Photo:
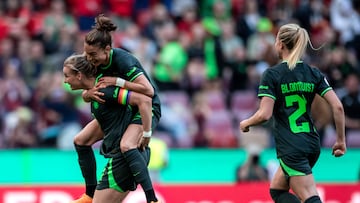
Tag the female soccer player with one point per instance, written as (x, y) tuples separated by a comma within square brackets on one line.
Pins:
[(117, 179), (129, 75), (287, 91)]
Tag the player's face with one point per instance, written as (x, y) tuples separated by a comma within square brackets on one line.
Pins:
[(96, 55), (72, 78)]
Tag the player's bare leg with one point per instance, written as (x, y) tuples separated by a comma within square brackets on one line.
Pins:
[(279, 189), (305, 188)]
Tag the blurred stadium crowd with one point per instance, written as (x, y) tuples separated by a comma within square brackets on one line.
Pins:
[(206, 57)]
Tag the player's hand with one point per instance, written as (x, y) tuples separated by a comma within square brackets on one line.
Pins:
[(144, 142), (106, 81), (244, 127), (339, 149), (95, 95)]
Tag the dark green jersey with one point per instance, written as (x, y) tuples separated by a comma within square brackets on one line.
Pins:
[(123, 64), (293, 92), (113, 118)]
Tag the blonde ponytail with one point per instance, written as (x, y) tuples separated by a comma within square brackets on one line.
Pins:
[(296, 40)]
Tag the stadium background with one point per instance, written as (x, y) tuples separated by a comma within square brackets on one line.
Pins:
[(206, 56)]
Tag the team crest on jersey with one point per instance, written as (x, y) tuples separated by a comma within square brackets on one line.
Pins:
[(95, 105)]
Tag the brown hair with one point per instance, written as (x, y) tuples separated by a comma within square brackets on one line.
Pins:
[(100, 34), (78, 63), (295, 39)]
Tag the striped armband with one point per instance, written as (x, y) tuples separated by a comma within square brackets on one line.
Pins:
[(123, 96)]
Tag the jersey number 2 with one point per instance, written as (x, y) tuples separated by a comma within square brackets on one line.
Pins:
[(290, 101)]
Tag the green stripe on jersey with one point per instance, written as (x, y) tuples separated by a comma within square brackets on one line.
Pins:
[(326, 90), (267, 95)]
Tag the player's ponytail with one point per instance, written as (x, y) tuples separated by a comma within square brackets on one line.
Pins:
[(104, 24), (295, 40), (100, 33)]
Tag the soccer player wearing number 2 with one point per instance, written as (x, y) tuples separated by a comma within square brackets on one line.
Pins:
[(287, 91)]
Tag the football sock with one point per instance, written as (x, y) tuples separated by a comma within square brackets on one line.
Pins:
[(313, 199), (283, 196), (138, 168), (87, 165)]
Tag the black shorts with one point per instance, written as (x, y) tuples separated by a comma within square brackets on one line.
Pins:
[(298, 164), (117, 175)]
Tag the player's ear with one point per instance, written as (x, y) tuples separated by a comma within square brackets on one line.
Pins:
[(107, 48), (79, 75)]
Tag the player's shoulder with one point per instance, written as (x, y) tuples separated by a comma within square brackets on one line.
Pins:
[(275, 70), (124, 57), (311, 67), (313, 70), (119, 52)]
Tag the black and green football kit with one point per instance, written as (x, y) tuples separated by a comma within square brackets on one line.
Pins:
[(297, 141), (123, 64), (114, 116)]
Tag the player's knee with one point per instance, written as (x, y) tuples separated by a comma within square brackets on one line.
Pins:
[(82, 139), (78, 140), (124, 146), (283, 196)]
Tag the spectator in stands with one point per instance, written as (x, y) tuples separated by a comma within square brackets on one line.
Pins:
[(187, 17), (340, 63), (159, 158), (59, 26), (20, 129), (14, 91), (33, 59), (246, 23), (60, 110), (345, 20), (159, 17), (8, 55), (172, 59), (85, 12), (234, 56), (258, 43), (351, 103), (252, 170), (141, 47), (18, 17), (121, 12)]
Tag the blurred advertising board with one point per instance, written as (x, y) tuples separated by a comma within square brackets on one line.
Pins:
[(178, 193)]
